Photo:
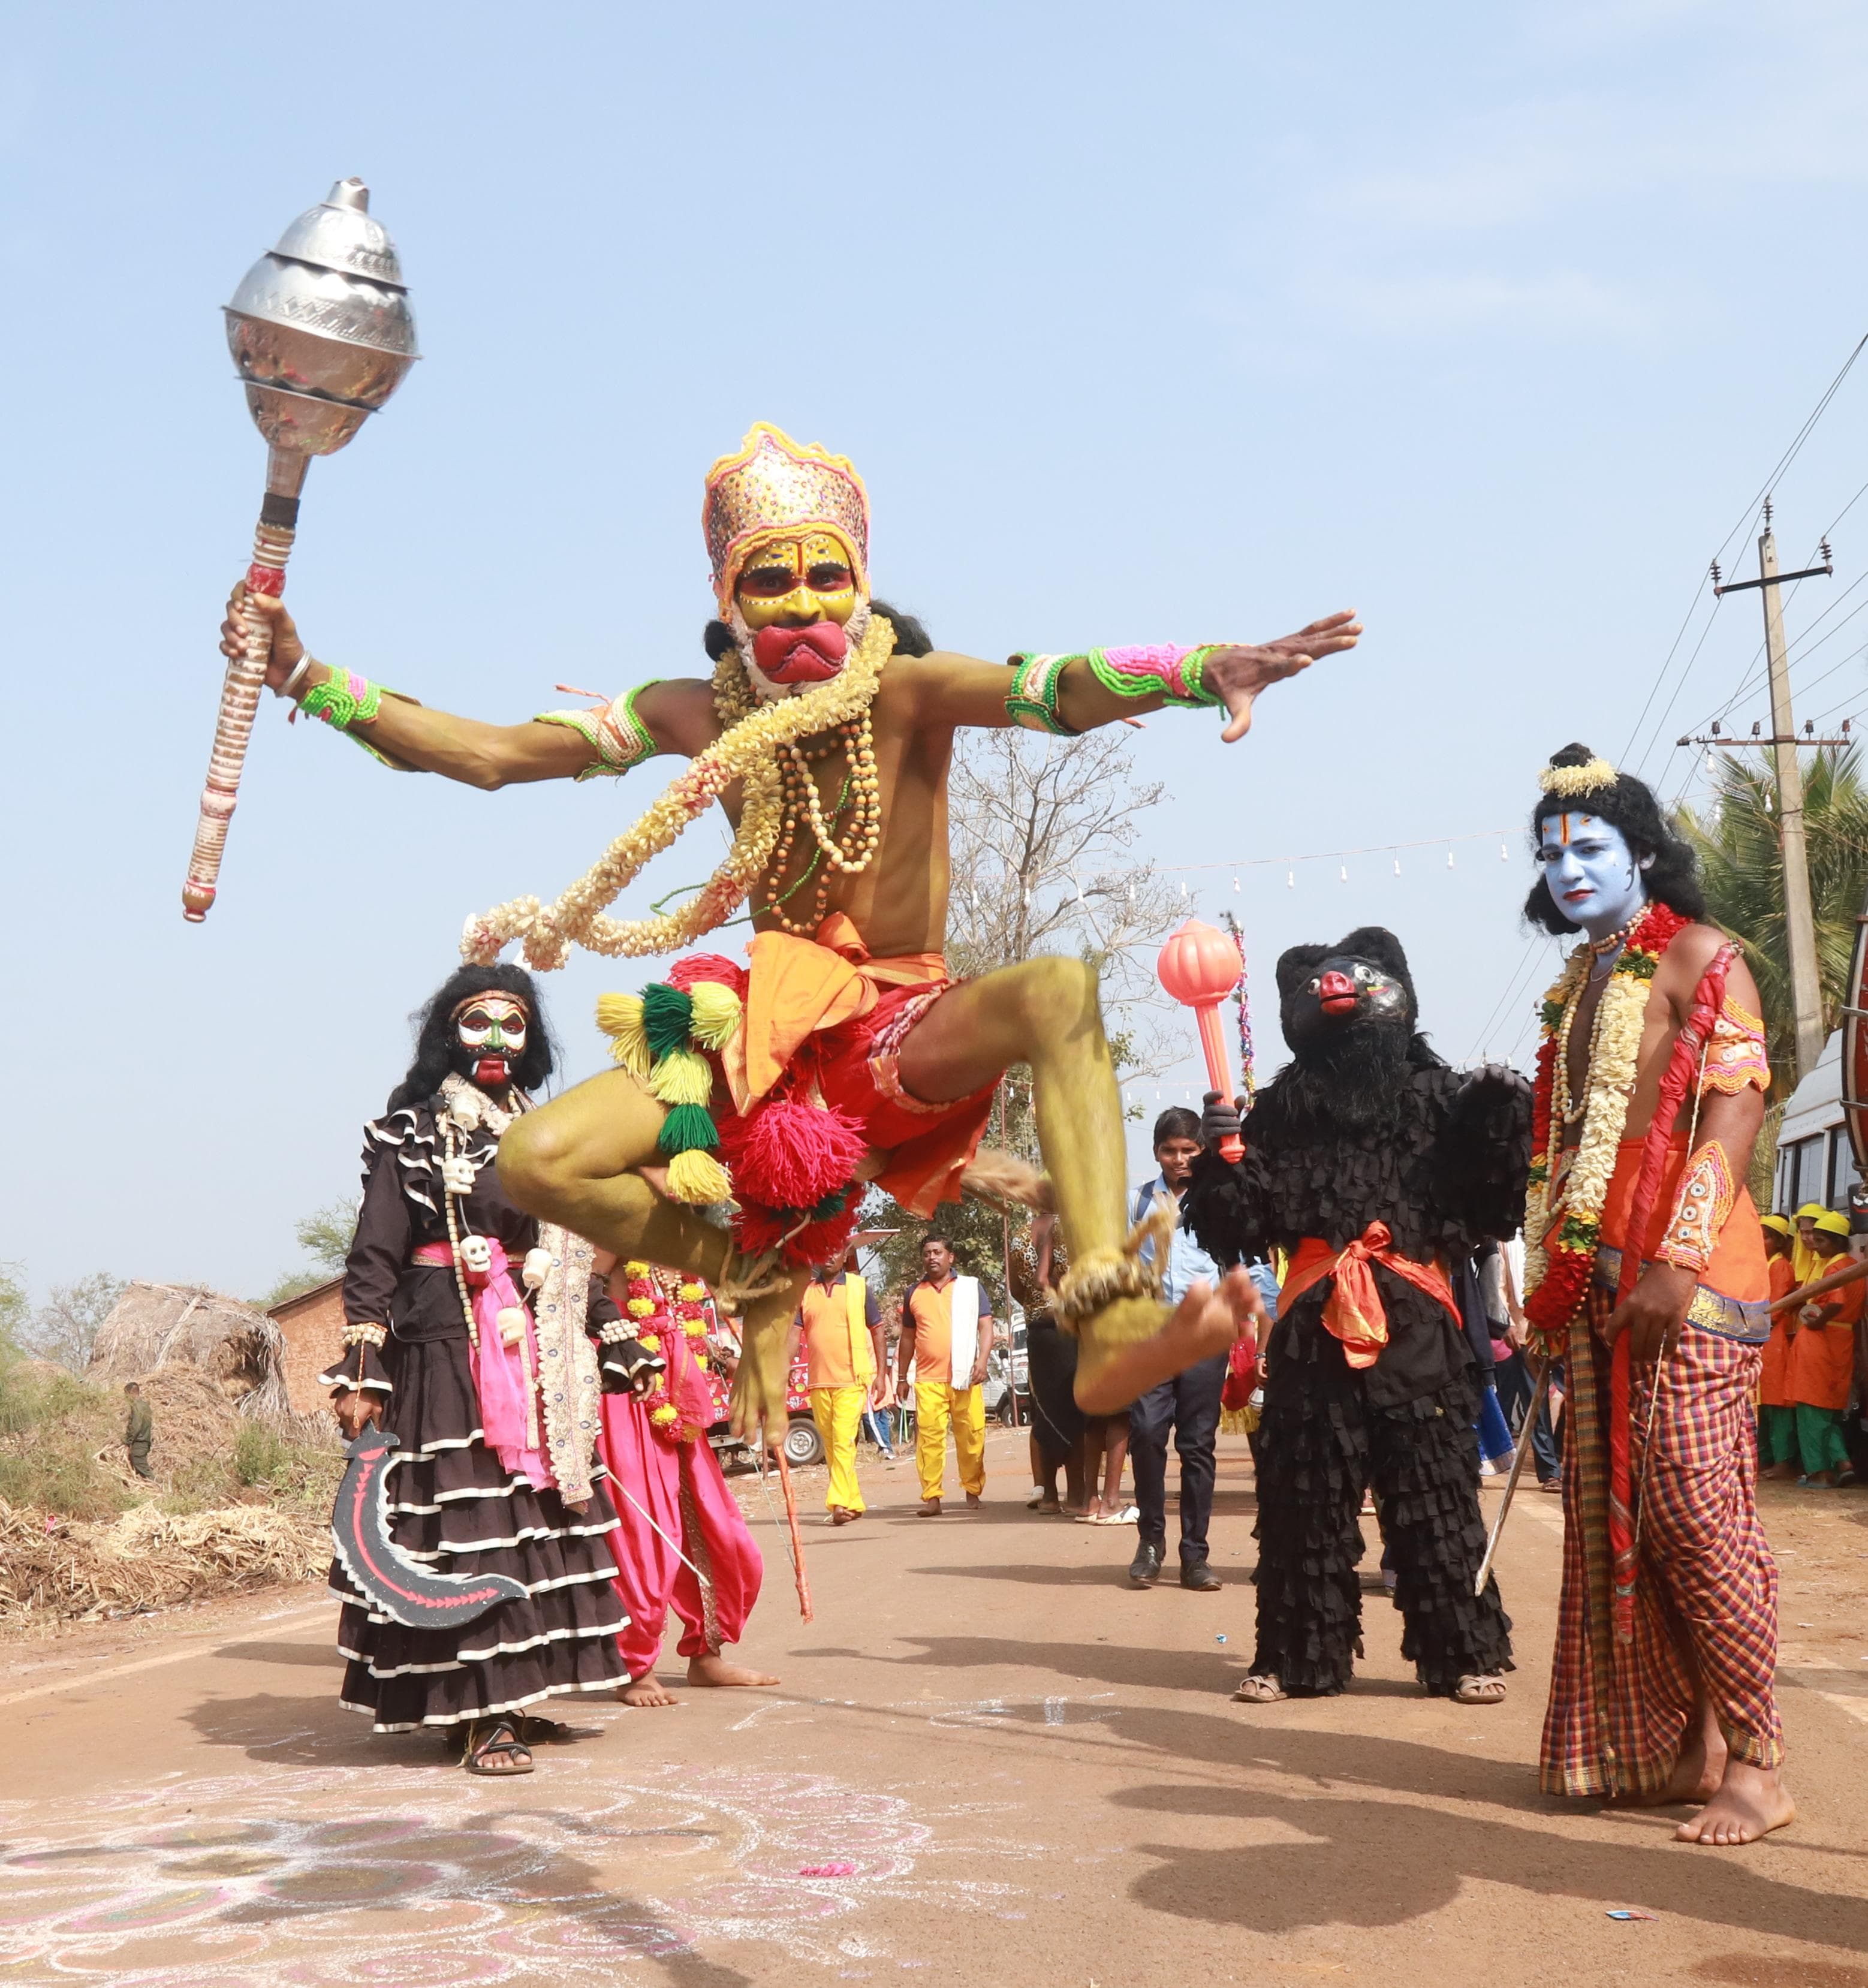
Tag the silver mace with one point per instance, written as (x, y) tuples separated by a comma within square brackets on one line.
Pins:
[(321, 332)]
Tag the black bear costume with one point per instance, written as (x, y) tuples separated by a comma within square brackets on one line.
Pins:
[(1367, 1126)]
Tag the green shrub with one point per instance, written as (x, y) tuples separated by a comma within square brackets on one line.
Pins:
[(261, 1456)]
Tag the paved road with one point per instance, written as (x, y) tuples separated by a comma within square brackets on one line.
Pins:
[(1015, 1770)]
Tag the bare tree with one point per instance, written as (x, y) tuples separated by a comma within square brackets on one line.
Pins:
[(65, 1329)]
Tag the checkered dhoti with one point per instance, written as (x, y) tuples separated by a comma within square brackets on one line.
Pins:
[(1705, 1598)]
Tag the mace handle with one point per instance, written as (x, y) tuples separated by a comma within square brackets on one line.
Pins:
[(246, 676), (1213, 1044)]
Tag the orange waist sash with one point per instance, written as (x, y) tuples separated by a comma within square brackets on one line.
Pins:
[(799, 986), (1354, 1311)]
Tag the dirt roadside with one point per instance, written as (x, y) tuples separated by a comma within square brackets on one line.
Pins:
[(989, 1761)]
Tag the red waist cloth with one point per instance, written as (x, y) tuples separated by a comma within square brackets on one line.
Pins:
[(824, 1024), (1354, 1311)]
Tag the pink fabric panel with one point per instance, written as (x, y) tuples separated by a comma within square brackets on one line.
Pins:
[(650, 1575)]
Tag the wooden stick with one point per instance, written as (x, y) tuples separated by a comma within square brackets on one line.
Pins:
[(246, 676), (790, 1520), (1834, 1282), (1510, 1483)]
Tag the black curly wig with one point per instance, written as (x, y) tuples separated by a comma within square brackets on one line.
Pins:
[(1672, 878), (911, 638), (434, 1033)]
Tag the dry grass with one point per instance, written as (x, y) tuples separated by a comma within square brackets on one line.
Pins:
[(237, 1501), (53, 1569)]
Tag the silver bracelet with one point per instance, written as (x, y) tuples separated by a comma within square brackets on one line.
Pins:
[(292, 682)]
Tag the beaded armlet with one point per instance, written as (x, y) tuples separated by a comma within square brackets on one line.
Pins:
[(1175, 674), (617, 737), (1736, 1056), (1701, 1208), (346, 702)]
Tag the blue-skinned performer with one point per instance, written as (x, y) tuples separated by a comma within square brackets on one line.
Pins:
[(1373, 1165), (1645, 1270)]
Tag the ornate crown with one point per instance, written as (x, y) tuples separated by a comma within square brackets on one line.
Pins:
[(771, 487)]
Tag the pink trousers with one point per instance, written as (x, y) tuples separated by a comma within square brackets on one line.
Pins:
[(680, 1487)]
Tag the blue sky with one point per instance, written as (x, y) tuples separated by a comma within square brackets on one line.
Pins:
[(1175, 323)]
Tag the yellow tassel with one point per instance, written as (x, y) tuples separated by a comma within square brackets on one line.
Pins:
[(619, 1015), (698, 1178), (716, 1014), (683, 1076)]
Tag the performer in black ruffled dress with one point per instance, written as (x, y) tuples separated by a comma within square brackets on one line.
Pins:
[(484, 1342), (1375, 1168)]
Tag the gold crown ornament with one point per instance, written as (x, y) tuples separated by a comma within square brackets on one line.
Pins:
[(773, 487)]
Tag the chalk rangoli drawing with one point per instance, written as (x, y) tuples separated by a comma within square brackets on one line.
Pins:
[(323, 1879)]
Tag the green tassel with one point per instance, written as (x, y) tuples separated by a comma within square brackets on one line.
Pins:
[(667, 1013), (686, 1128)]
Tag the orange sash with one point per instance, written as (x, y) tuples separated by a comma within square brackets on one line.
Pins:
[(1354, 1311), (799, 986)]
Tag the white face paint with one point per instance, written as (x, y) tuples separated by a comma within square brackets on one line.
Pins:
[(491, 1030), (1594, 878)]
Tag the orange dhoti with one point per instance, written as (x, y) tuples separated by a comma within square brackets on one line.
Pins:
[(815, 1084)]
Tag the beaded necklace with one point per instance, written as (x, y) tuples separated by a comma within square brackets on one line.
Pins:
[(850, 851)]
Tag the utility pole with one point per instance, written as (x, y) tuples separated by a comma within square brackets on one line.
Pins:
[(1799, 918)]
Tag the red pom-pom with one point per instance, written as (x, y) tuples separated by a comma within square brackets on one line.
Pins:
[(708, 966), (790, 1153), (757, 1230), (825, 1242)]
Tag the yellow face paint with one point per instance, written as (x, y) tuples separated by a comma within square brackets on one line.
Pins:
[(795, 581)]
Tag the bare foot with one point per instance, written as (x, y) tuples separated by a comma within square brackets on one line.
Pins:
[(1696, 1772), (1751, 1802), (644, 1692), (974, 1501), (1778, 1471), (841, 1515), (1119, 1357), (929, 1508), (714, 1669)]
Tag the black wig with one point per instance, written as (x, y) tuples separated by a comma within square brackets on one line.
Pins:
[(435, 1040), (1672, 878), (911, 638)]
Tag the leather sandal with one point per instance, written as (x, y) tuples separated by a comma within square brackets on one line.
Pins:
[(489, 1739)]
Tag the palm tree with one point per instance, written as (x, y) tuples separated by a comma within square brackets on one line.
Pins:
[(1741, 867)]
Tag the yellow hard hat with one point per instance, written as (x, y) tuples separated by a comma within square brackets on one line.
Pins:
[(1778, 1224), (1810, 1210), (1832, 1224)]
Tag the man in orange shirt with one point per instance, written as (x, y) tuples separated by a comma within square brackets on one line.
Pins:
[(947, 1333), (1821, 1366), (843, 1343), (1777, 1440)]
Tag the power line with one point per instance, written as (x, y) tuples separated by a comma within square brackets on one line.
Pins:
[(1502, 836)]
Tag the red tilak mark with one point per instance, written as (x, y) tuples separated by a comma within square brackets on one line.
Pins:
[(266, 579)]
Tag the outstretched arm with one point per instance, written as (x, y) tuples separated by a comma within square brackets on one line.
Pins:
[(1077, 693), (676, 716)]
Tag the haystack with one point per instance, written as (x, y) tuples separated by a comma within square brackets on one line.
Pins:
[(67, 1570), (155, 1326)]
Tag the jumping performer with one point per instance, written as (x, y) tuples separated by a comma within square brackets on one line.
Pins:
[(846, 1054), (476, 1335), (1369, 1162), (681, 1538), (1645, 1271)]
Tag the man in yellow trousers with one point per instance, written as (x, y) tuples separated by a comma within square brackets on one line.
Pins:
[(946, 1333), (843, 1343)]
